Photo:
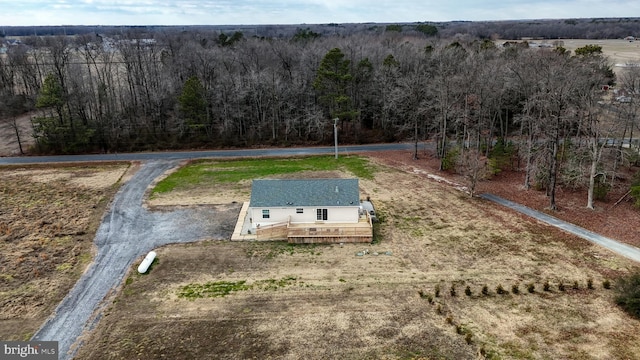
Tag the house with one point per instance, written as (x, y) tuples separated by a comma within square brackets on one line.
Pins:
[(308, 211)]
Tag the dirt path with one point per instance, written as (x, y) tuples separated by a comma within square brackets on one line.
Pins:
[(128, 231)]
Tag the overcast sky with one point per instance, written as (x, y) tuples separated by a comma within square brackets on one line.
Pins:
[(234, 12)]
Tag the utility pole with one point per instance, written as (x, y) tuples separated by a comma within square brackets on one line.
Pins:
[(335, 135)]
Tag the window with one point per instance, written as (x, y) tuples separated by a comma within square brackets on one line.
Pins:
[(299, 211), (265, 214), (321, 214)]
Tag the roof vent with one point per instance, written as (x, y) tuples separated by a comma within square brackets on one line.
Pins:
[(337, 189)]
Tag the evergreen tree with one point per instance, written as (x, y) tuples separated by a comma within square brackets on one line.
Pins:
[(332, 83)]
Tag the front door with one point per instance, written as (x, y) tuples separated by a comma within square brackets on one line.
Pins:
[(321, 214)]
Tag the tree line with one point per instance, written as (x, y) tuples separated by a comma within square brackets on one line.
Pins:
[(576, 28), (484, 106)]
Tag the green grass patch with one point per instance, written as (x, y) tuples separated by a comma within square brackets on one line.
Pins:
[(211, 289), (224, 288), (231, 171), (64, 267)]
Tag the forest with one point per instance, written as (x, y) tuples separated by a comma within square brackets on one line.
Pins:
[(484, 103)]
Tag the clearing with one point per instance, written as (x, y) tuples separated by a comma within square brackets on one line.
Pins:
[(228, 300)]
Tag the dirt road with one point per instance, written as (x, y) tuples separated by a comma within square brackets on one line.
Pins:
[(127, 232)]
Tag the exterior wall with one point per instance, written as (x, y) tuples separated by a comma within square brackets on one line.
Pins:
[(342, 215)]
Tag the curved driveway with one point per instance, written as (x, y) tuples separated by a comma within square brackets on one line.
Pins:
[(127, 231)]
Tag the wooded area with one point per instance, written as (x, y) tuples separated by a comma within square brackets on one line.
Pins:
[(476, 99)]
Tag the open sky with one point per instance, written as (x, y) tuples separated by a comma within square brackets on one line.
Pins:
[(235, 12)]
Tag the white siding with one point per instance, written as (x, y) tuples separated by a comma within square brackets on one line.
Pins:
[(342, 215)]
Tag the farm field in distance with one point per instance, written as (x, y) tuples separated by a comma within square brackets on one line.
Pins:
[(232, 300), (619, 51)]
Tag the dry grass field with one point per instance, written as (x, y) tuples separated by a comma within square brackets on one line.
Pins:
[(250, 300), (619, 51), (48, 219)]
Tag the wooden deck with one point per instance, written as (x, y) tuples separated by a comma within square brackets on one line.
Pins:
[(361, 232)]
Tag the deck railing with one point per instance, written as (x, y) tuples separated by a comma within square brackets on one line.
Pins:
[(320, 232)]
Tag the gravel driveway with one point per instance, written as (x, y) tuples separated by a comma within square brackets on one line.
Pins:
[(127, 232)]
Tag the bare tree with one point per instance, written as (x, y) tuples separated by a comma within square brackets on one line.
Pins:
[(474, 167), (447, 92)]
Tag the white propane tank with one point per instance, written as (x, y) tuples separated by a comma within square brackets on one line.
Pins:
[(144, 265)]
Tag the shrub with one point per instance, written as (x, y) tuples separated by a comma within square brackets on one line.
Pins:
[(500, 290), (576, 286), (468, 338), (437, 290), (515, 289), (531, 288), (485, 290), (606, 284), (590, 283), (453, 290), (628, 294), (501, 155), (546, 286), (450, 159), (635, 189), (561, 286), (467, 291), (601, 188)]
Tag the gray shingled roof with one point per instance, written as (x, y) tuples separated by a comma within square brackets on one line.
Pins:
[(304, 192)]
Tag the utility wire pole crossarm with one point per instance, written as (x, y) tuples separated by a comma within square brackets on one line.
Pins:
[(335, 134)]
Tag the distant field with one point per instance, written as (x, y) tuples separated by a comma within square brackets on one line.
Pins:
[(618, 50)]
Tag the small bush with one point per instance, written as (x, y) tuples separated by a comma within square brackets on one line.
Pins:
[(576, 286), (449, 320), (628, 294), (546, 286), (500, 290), (467, 291), (437, 290), (515, 289), (601, 188), (469, 338), (439, 309), (485, 290), (590, 283), (561, 286), (450, 159), (531, 288), (606, 284), (452, 291), (635, 188)]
